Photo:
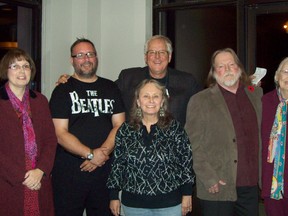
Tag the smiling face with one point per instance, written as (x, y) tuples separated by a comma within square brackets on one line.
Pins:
[(227, 72), (19, 74), (150, 100), (85, 68), (157, 61), (282, 79)]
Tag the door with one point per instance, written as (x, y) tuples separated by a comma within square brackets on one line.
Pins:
[(20, 26), (267, 39)]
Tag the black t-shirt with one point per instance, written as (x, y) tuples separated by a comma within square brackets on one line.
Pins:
[(89, 108)]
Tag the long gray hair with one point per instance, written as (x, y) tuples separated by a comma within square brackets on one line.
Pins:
[(136, 120), (211, 81)]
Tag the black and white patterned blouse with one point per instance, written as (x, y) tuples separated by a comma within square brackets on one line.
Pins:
[(153, 170)]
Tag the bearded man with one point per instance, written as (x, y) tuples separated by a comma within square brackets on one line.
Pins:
[(223, 124), (87, 112)]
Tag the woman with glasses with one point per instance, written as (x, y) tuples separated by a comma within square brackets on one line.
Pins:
[(28, 141), (274, 149)]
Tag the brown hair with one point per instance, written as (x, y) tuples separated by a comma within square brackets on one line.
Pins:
[(211, 81), (10, 57), (81, 40), (135, 120)]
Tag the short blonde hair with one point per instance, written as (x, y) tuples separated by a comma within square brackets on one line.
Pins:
[(280, 67), (166, 40)]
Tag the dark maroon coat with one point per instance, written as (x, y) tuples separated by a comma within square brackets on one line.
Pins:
[(270, 102), (12, 155)]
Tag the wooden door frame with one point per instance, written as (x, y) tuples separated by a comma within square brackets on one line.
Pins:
[(36, 6)]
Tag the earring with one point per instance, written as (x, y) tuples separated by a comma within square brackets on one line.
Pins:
[(139, 112), (161, 112)]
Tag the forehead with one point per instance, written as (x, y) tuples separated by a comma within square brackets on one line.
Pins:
[(83, 46), (150, 87), (19, 60), (285, 66), (156, 44), (224, 57)]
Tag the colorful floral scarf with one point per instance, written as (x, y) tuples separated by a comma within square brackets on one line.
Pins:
[(22, 109), (276, 149)]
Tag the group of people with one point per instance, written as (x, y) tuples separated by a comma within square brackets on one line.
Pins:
[(128, 144)]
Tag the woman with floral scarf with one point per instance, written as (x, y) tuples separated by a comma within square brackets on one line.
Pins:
[(274, 140)]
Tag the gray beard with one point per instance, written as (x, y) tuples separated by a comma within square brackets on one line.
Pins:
[(228, 83)]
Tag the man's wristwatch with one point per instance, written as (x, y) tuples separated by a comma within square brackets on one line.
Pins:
[(90, 155)]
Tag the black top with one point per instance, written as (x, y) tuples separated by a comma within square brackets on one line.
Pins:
[(89, 108), (180, 85), (153, 170)]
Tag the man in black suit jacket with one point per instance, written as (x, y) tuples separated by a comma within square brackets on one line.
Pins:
[(180, 86)]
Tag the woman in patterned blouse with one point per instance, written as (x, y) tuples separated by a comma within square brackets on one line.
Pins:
[(152, 159)]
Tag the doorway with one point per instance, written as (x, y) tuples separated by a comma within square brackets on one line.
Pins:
[(196, 33), (253, 28), (267, 39), (20, 26)]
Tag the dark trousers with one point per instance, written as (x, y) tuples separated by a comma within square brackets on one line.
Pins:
[(72, 195), (246, 204)]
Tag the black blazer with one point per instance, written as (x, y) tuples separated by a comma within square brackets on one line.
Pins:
[(181, 87)]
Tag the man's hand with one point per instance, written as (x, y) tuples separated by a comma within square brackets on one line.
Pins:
[(100, 156), (216, 188), (251, 77), (87, 166), (62, 79), (33, 179)]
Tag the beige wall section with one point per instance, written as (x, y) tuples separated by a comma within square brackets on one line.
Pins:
[(119, 30)]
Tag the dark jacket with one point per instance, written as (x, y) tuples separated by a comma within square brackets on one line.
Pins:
[(12, 155), (181, 87)]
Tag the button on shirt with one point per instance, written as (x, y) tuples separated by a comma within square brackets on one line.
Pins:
[(247, 135)]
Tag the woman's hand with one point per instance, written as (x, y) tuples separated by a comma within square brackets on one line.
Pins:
[(33, 179), (115, 207), (186, 204)]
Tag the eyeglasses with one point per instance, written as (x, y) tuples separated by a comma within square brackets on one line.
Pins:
[(161, 53), (284, 71), (17, 67), (82, 55)]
